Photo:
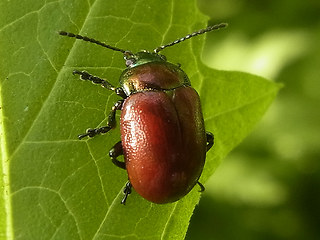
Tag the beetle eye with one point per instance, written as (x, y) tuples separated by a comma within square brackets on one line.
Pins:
[(130, 58), (130, 61)]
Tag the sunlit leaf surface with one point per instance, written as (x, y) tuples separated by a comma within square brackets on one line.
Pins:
[(57, 187)]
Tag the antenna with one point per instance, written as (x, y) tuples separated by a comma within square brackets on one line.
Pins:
[(201, 31), (77, 36)]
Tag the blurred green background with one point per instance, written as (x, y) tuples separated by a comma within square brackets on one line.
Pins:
[(268, 187)]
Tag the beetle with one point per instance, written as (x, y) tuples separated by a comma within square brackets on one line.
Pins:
[(163, 138)]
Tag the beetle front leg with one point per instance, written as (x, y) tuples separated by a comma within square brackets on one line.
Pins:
[(210, 140), (126, 191), (115, 152), (91, 132), (96, 80)]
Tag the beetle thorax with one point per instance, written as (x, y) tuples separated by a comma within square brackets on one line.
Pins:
[(153, 76)]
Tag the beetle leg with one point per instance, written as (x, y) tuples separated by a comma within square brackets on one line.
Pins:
[(202, 188), (115, 152), (87, 76), (126, 192), (91, 132), (210, 140)]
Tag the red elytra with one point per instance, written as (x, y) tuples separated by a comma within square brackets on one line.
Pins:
[(163, 138), (164, 143)]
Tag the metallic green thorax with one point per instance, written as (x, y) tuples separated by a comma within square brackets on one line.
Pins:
[(149, 72), (133, 60)]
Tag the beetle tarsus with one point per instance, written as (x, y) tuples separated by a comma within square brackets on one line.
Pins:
[(210, 140), (91, 132), (87, 134), (202, 188), (115, 152), (126, 192)]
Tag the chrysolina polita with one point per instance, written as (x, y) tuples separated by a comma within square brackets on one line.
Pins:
[(163, 138)]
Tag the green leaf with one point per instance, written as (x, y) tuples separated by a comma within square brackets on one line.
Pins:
[(57, 187)]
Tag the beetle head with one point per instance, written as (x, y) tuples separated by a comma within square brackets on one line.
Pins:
[(142, 57)]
